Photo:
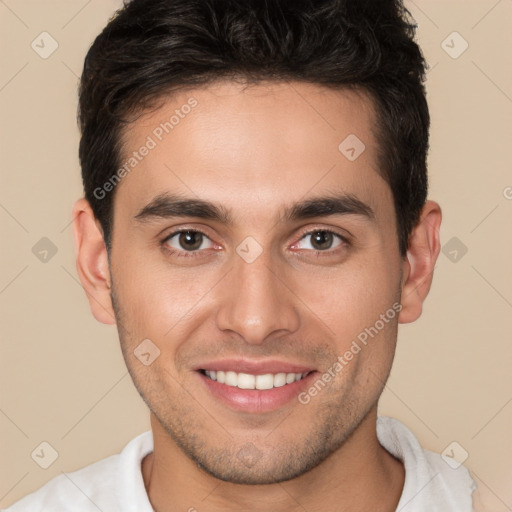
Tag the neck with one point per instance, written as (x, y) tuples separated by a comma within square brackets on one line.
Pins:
[(360, 475)]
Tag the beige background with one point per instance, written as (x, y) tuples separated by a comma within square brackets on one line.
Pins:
[(62, 376)]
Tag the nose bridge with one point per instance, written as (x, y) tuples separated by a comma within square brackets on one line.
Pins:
[(255, 301)]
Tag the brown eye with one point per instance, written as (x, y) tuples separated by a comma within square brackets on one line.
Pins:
[(190, 240), (321, 240), (187, 240)]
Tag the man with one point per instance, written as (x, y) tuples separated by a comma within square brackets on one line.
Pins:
[(255, 223)]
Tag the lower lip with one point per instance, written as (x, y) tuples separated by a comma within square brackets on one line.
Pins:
[(256, 400)]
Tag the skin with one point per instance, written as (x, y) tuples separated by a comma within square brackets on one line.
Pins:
[(256, 150)]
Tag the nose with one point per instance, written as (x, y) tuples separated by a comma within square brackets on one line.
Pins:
[(256, 302)]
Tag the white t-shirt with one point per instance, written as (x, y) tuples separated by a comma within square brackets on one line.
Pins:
[(115, 484)]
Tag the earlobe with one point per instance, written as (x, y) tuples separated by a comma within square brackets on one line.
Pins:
[(92, 261), (424, 247)]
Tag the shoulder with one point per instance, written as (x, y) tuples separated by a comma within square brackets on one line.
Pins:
[(79, 490), (432, 481), (96, 486)]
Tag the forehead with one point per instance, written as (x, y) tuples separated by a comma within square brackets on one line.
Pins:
[(253, 147)]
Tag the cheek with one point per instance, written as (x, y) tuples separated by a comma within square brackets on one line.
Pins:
[(156, 299), (349, 298)]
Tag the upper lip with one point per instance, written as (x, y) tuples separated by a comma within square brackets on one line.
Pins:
[(255, 367)]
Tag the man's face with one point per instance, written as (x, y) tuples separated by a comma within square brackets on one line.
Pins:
[(268, 292)]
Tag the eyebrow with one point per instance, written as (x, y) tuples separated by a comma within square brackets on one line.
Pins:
[(165, 206)]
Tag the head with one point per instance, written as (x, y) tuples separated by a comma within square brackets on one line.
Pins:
[(255, 188)]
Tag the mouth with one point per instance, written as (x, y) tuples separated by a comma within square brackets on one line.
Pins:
[(250, 381), (255, 387)]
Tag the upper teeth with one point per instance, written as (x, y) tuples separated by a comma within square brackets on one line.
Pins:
[(248, 381)]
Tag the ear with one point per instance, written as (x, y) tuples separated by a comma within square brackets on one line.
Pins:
[(92, 261), (418, 265)]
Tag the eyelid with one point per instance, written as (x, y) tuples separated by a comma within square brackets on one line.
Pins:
[(345, 239), (183, 230), (344, 235)]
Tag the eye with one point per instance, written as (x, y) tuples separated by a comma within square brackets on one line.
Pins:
[(322, 240), (187, 240)]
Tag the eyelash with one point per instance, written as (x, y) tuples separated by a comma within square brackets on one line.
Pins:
[(193, 254)]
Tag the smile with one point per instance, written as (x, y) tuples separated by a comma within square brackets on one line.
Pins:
[(249, 381)]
